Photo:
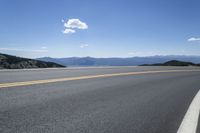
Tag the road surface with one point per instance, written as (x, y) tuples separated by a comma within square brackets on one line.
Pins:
[(136, 100)]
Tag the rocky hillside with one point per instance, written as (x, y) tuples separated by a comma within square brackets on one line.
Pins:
[(13, 62)]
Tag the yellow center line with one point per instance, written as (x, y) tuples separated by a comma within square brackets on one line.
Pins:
[(25, 83)]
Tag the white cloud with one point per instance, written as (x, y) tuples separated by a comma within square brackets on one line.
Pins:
[(68, 31), (72, 24), (194, 39), (43, 47), (84, 45), (75, 24)]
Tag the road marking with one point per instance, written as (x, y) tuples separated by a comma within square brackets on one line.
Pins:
[(14, 84), (190, 120)]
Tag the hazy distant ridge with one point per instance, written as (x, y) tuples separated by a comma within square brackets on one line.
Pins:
[(133, 61)]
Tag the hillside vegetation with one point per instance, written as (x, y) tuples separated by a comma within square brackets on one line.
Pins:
[(173, 63), (13, 62)]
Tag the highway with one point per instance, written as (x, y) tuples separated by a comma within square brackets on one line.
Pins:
[(98, 99)]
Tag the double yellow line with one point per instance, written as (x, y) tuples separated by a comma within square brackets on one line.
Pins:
[(25, 83)]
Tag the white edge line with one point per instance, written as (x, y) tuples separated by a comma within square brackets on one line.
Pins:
[(190, 120)]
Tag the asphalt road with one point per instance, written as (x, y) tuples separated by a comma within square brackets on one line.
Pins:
[(142, 103)]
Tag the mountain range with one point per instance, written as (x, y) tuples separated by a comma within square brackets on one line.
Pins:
[(132, 61)]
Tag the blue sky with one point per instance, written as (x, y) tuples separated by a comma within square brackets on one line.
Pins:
[(99, 28)]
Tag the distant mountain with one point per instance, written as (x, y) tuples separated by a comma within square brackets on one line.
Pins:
[(173, 63), (13, 62), (133, 61)]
